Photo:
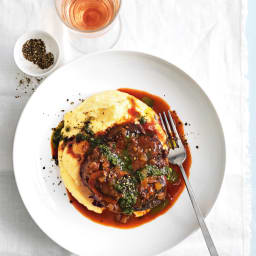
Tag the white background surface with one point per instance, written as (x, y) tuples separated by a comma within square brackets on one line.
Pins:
[(204, 38)]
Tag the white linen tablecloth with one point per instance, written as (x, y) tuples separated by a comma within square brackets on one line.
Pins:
[(206, 40)]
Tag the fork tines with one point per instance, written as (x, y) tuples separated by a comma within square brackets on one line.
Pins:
[(169, 128)]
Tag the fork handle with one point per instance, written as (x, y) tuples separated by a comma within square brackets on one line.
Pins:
[(199, 216)]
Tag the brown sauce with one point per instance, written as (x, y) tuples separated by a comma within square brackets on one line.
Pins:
[(173, 190)]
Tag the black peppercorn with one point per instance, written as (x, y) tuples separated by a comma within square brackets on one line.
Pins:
[(34, 50)]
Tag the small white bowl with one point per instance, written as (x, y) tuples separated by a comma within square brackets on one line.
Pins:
[(29, 67)]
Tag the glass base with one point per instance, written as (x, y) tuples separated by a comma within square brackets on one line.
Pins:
[(88, 43)]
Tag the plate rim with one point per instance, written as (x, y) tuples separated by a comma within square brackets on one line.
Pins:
[(121, 52)]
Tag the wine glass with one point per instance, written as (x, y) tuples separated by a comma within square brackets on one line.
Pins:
[(92, 25)]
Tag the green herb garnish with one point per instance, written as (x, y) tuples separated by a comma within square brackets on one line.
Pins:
[(87, 128), (173, 176), (113, 158), (127, 160), (80, 137), (141, 175), (148, 101), (127, 186), (152, 170), (57, 136)]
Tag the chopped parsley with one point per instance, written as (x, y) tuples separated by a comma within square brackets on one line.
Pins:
[(94, 141), (124, 161), (87, 128), (141, 174), (113, 158), (152, 170), (173, 176), (127, 160), (127, 186), (80, 137), (57, 136)]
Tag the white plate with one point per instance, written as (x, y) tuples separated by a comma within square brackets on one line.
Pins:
[(45, 199)]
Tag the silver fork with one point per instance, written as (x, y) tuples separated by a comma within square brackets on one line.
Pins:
[(177, 155)]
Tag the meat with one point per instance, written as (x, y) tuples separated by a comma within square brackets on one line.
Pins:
[(126, 170)]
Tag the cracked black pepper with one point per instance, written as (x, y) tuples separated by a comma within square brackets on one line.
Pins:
[(34, 50)]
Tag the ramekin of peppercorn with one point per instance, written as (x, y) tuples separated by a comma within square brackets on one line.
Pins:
[(36, 53)]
